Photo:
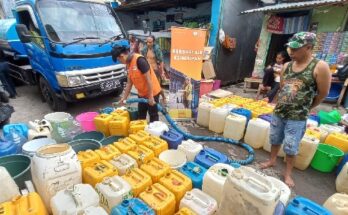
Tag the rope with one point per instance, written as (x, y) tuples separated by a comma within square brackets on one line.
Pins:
[(245, 146)]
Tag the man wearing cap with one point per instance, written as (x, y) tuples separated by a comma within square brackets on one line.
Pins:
[(142, 76), (305, 82)]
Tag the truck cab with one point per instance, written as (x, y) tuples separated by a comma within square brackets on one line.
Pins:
[(68, 44)]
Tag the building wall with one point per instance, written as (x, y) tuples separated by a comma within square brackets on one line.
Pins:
[(235, 66), (330, 18)]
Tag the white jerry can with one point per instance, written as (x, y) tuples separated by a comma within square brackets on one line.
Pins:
[(123, 163), (190, 148), (247, 192), (74, 200), (306, 152), (285, 191), (203, 115), (235, 126), (337, 204), (199, 202), (257, 133), (218, 117), (55, 167), (112, 191), (94, 211), (342, 180), (214, 180), (8, 186), (268, 147), (156, 128)]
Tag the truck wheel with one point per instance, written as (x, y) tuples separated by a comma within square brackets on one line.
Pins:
[(55, 103)]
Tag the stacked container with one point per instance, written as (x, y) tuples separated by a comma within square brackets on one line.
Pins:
[(141, 154), (24, 205), (307, 149), (214, 180), (173, 138), (156, 128), (118, 126), (337, 204), (87, 158), (195, 172), (125, 144), (177, 183), (342, 180), (74, 200), (140, 136), (248, 192), (108, 152), (203, 116), (8, 186), (135, 205), (208, 157), (98, 171), (138, 179), (54, 168), (218, 117), (339, 140), (156, 169), (123, 163), (156, 144), (257, 132), (301, 205), (112, 191), (285, 191), (137, 125), (102, 123), (160, 199), (199, 202), (190, 148), (235, 126)]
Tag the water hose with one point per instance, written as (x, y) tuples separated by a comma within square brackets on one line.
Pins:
[(248, 148)]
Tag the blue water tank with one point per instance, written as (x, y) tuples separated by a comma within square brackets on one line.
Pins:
[(9, 40)]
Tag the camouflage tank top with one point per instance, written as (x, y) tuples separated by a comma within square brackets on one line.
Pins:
[(296, 96)]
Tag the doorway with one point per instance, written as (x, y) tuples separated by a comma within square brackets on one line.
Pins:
[(276, 45)]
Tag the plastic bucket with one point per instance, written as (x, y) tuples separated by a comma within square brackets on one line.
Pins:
[(19, 168), (175, 158), (30, 148), (110, 140), (326, 158), (83, 145), (87, 120), (206, 87), (91, 135)]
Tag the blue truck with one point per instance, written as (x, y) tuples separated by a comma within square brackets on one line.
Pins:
[(63, 47)]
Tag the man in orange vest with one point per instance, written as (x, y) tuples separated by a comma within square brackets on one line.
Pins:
[(142, 76)]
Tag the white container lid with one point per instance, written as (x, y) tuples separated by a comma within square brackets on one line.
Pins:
[(175, 158)]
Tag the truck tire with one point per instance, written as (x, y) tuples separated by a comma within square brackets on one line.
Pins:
[(55, 103)]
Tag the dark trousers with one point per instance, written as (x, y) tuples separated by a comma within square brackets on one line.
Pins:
[(143, 108), (273, 92), (268, 77), (6, 80)]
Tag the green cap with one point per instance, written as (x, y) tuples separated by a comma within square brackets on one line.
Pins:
[(301, 39)]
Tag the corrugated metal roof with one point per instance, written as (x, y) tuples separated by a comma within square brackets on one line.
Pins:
[(295, 5)]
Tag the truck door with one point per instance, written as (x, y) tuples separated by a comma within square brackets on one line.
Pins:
[(36, 50)]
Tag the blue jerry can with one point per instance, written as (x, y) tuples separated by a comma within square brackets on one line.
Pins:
[(195, 172), (133, 206), (242, 111), (303, 206), (21, 128), (173, 138), (280, 209), (208, 157)]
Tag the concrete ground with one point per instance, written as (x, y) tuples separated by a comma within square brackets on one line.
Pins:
[(309, 183)]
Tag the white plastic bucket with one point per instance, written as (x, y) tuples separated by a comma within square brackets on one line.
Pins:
[(30, 147), (175, 158)]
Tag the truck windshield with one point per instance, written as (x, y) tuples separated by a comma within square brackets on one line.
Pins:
[(66, 20)]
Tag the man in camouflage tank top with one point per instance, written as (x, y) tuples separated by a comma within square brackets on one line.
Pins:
[(305, 82)]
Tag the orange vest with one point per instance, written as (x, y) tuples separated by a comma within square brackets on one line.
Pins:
[(139, 80)]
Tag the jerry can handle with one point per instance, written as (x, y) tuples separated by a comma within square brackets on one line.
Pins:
[(201, 202), (111, 184), (212, 158), (310, 210), (75, 195), (257, 183), (160, 195)]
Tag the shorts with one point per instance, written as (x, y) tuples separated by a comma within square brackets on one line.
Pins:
[(287, 132)]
